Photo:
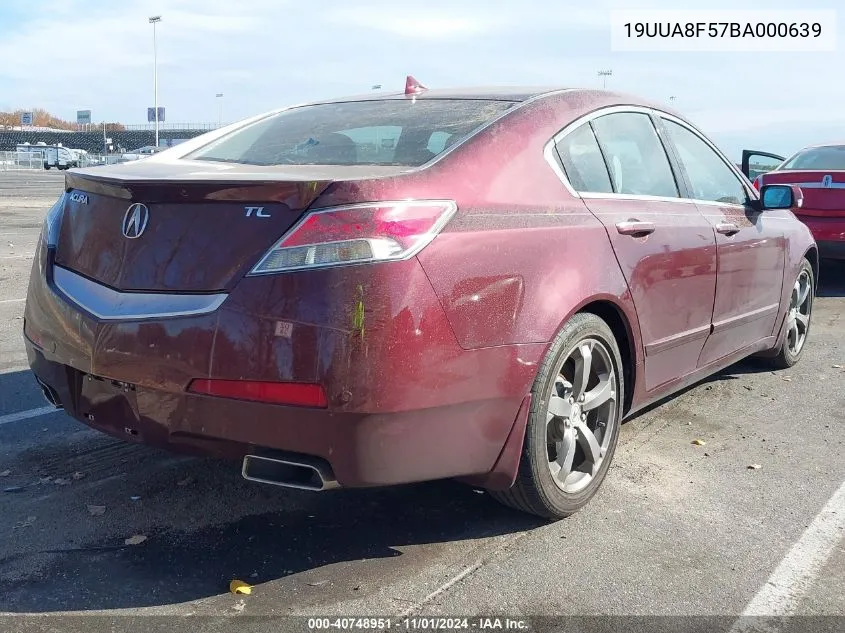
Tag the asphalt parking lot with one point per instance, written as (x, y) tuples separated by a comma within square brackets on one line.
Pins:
[(677, 529)]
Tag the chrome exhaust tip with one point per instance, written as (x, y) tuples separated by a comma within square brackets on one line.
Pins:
[(301, 472)]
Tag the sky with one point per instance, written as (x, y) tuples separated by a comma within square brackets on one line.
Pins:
[(65, 55)]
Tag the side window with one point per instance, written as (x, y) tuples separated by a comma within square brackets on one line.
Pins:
[(582, 161), (635, 156), (710, 178)]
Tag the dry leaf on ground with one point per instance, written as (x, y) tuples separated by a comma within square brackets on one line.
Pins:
[(240, 587)]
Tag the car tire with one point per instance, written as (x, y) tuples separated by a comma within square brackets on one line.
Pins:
[(543, 486), (798, 319)]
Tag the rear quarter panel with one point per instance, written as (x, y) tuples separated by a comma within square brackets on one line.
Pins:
[(517, 276), (799, 244), (522, 254)]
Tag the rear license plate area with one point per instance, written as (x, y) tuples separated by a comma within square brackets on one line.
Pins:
[(109, 403)]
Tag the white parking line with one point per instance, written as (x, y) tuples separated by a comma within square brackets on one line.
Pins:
[(12, 300), (466, 571), (801, 565), (24, 415)]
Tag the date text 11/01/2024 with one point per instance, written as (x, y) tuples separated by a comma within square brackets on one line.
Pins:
[(723, 29), (418, 624)]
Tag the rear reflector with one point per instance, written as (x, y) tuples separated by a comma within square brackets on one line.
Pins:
[(357, 234), (290, 393)]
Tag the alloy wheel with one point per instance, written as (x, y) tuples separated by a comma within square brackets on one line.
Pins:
[(582, 406), (798, 318)]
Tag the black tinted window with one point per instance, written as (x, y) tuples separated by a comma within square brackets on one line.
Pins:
[(830, 158), (635, 156), (582, 161), (709, 175), (389, 132)]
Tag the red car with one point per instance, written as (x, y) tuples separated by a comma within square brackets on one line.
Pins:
[(819, 171), (473, 284)]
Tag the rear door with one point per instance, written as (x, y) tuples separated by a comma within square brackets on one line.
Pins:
[(751, 243), (664, 246)]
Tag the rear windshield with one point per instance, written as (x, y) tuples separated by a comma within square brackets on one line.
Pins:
[(390, 132), (829, 158)]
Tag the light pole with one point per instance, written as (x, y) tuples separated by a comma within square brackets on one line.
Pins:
[(155, 20), (219, 97), (604, 74)]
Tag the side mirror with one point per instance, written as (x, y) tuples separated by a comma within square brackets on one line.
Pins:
[(781, 197)]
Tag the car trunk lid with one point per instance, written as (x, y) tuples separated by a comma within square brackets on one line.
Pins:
[(824, 191), (182, 226)]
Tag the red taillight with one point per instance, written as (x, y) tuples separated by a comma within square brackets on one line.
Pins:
[(358, 233), (758, 182), (291, 393)]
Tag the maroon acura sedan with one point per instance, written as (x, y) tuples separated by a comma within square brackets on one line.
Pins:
[(471, 284)]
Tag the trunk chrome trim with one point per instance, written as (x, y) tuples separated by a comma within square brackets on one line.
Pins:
[(107, 304), (813, 185)]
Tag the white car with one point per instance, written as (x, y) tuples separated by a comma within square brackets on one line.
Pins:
[(141, 152), (59, 157)]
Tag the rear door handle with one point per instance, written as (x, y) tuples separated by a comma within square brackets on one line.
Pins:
[(635, 227), (727, 228)]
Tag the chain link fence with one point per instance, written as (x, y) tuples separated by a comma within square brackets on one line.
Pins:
[(16, 161), (13, 161)]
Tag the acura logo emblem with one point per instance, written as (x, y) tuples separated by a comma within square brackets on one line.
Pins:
[(135, 220)]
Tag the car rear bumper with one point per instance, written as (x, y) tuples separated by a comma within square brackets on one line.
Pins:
[(361, 449), (406, 403), (829, 234)]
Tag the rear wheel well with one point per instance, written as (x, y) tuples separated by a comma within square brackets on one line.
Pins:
[(615, 319)]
